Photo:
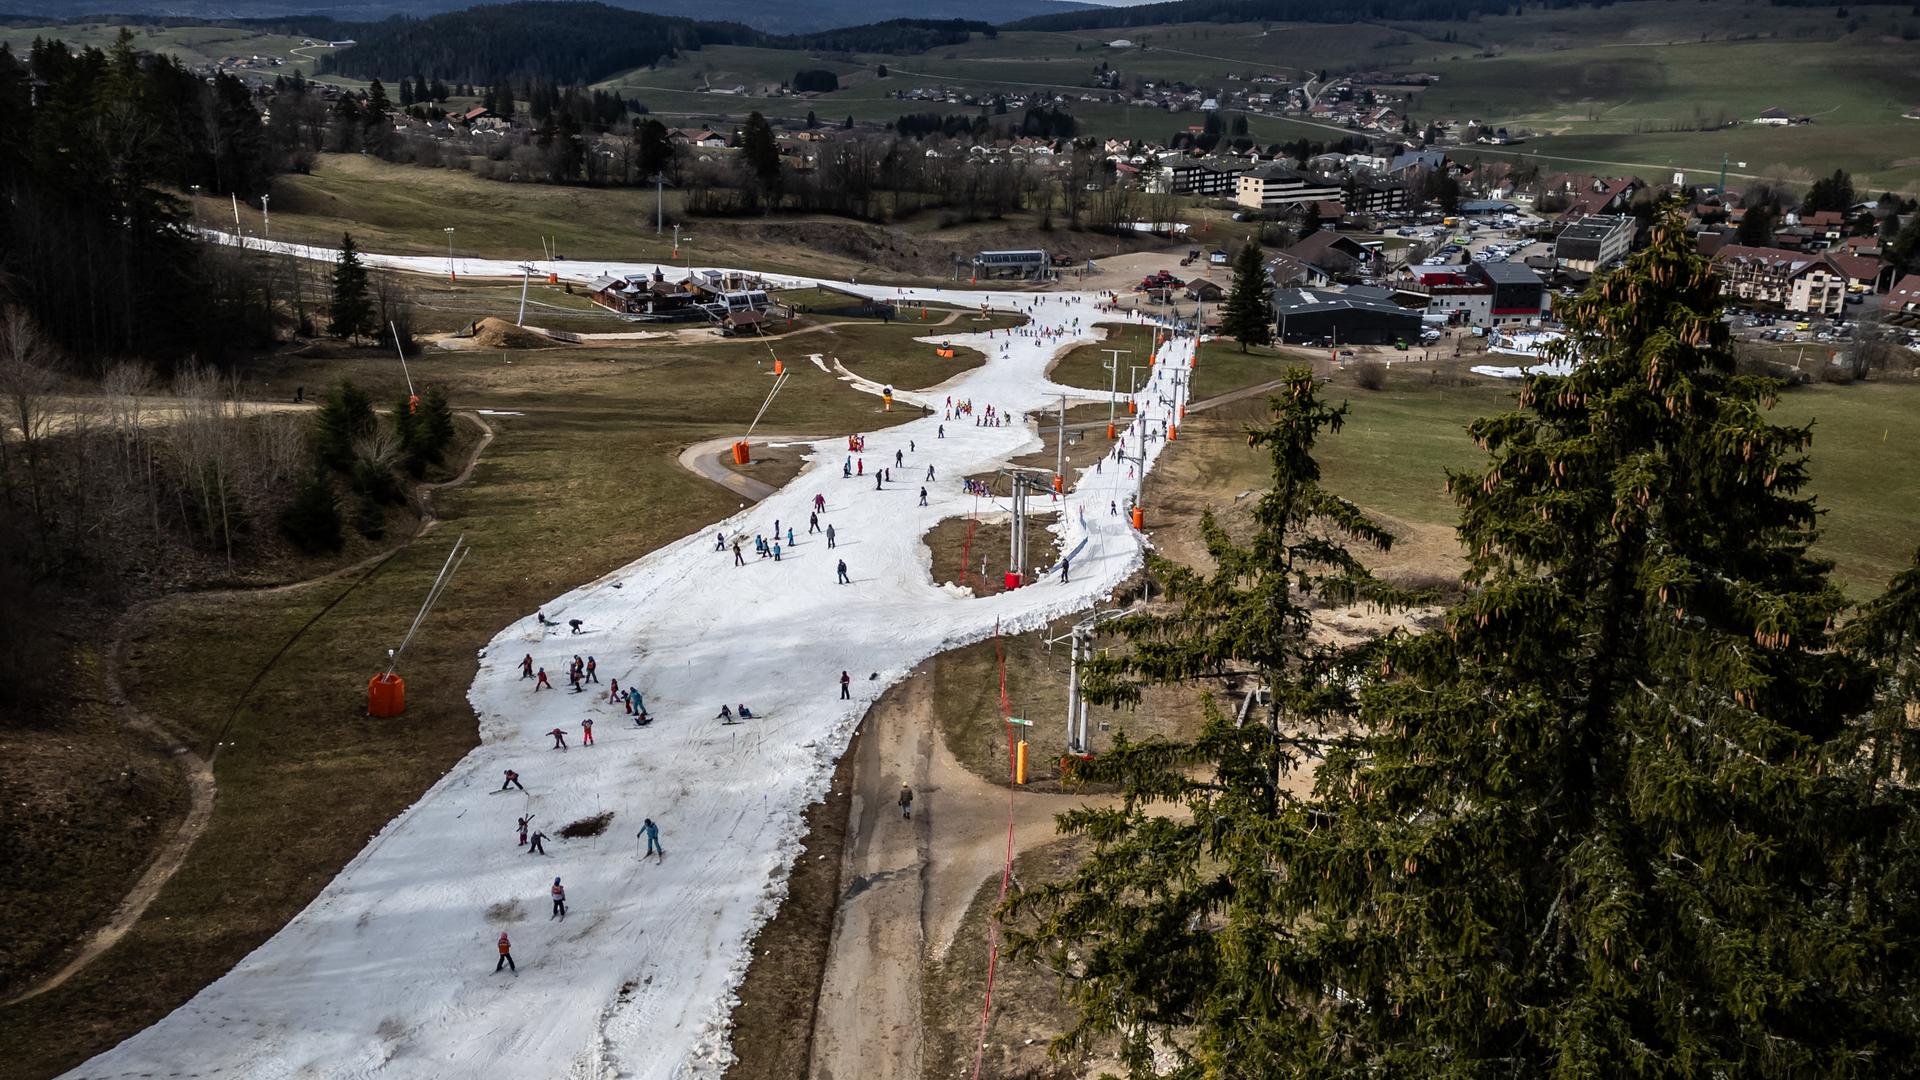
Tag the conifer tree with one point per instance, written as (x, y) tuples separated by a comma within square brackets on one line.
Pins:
[(351, 314), (1247, 312), (1631, 811), (312, 520)]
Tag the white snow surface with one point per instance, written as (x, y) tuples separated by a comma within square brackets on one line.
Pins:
[(389, 972)]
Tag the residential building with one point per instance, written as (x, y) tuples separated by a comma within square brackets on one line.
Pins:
[(1789, 279), (1593, 242), (1273, 186), (1313, 316), (1902, 305), (1211, 179), (1490, 294), (1375, 197)]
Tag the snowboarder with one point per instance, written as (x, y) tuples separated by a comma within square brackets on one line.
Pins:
[(526, 666), (652, 832), (536, 844), (593, 671), (523, 829), (738, 560), (506, 956), (846, 686), (813, 523), (843, 573), (542, 683), (923, 496), (906, 802), (829, 536), (512, 780), (559, 892), (586, 732), (573, 625), (559, 738)]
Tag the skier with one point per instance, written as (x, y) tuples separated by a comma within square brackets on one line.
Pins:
[(506, 956), (573, 625), (613, 692), (923, 496), (737, 559), (526, 666), (652, 832), (776, 551), (843, 573), (512, 780), (820, 504), (559, 738), (542, 677), (789, 537), (1066, 568), (876, 481), (943, 431), (536, 844), (829, 536), (745, 713), (559, 892), (846, 684), (719, 541), (929, 471), (860, 467), (726, 716), (899, 459), (593, 671), (906, 802), (586, 732), (813, 523), (910, 446), (523, 829)]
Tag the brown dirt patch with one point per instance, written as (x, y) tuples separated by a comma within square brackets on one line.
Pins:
[(492, 333)]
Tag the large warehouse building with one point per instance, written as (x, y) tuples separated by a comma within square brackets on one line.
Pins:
[(1335, 317)]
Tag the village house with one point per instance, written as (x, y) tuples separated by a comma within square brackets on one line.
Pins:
[(1786, 279)]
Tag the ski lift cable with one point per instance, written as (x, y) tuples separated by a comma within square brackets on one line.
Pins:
[(397, 347), (455, 557)]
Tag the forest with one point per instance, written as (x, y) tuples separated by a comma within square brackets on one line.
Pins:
[(1239, 11)]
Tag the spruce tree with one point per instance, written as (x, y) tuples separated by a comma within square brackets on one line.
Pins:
[(312, 520), (352, 312), (1247, 312), (345, 417), (1161, 927), (1632, 810)]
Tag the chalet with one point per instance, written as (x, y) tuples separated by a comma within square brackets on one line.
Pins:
[(1786, 279), (1334, 252), (1204, 291), (1902, 305)]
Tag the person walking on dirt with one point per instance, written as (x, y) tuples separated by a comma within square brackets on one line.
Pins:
[(593, 670), (737, 559), (652, 832), (536, 844), (506, 956), (846, 686), (542, 683), (559, 738), (906, 802), (586, 732), (844, 580), (526, 666), (523, 829), (559, 892), (512, 780), (829, 537)]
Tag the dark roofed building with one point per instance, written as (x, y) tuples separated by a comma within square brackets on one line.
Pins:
[(1342, 317)]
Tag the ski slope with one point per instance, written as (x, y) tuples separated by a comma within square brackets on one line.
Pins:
[(389, 972)]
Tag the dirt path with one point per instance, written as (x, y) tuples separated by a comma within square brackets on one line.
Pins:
[(908, 883), (703, 459), (197, 768)]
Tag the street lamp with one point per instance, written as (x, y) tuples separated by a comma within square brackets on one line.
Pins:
[(449, 231)]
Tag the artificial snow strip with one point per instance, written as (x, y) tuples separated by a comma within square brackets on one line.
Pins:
[(390, 971)]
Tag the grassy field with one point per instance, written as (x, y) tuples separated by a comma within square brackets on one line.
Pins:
[(305, 777)]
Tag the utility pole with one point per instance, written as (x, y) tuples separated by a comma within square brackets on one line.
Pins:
[(1113, 388), (449, 231), (526, 272), (266, 217), (659, 211)]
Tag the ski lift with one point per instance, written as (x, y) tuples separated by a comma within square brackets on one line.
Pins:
[(387, 691)]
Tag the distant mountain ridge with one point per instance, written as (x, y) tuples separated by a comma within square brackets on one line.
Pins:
[(772, 16)]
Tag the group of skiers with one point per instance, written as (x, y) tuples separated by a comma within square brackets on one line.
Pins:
[(533, 841)]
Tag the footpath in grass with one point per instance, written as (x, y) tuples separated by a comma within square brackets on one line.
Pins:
[(584, 481)]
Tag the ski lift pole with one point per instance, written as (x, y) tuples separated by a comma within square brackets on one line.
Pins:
[(412, 398)]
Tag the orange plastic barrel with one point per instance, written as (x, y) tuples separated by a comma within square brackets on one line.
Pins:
[(1132, 407), (1139, 518), (553, 279), (742, 453), (1059, 484), (1173, 432), (1183, 412), (778, 366), (1109, 431), (386, 695)]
